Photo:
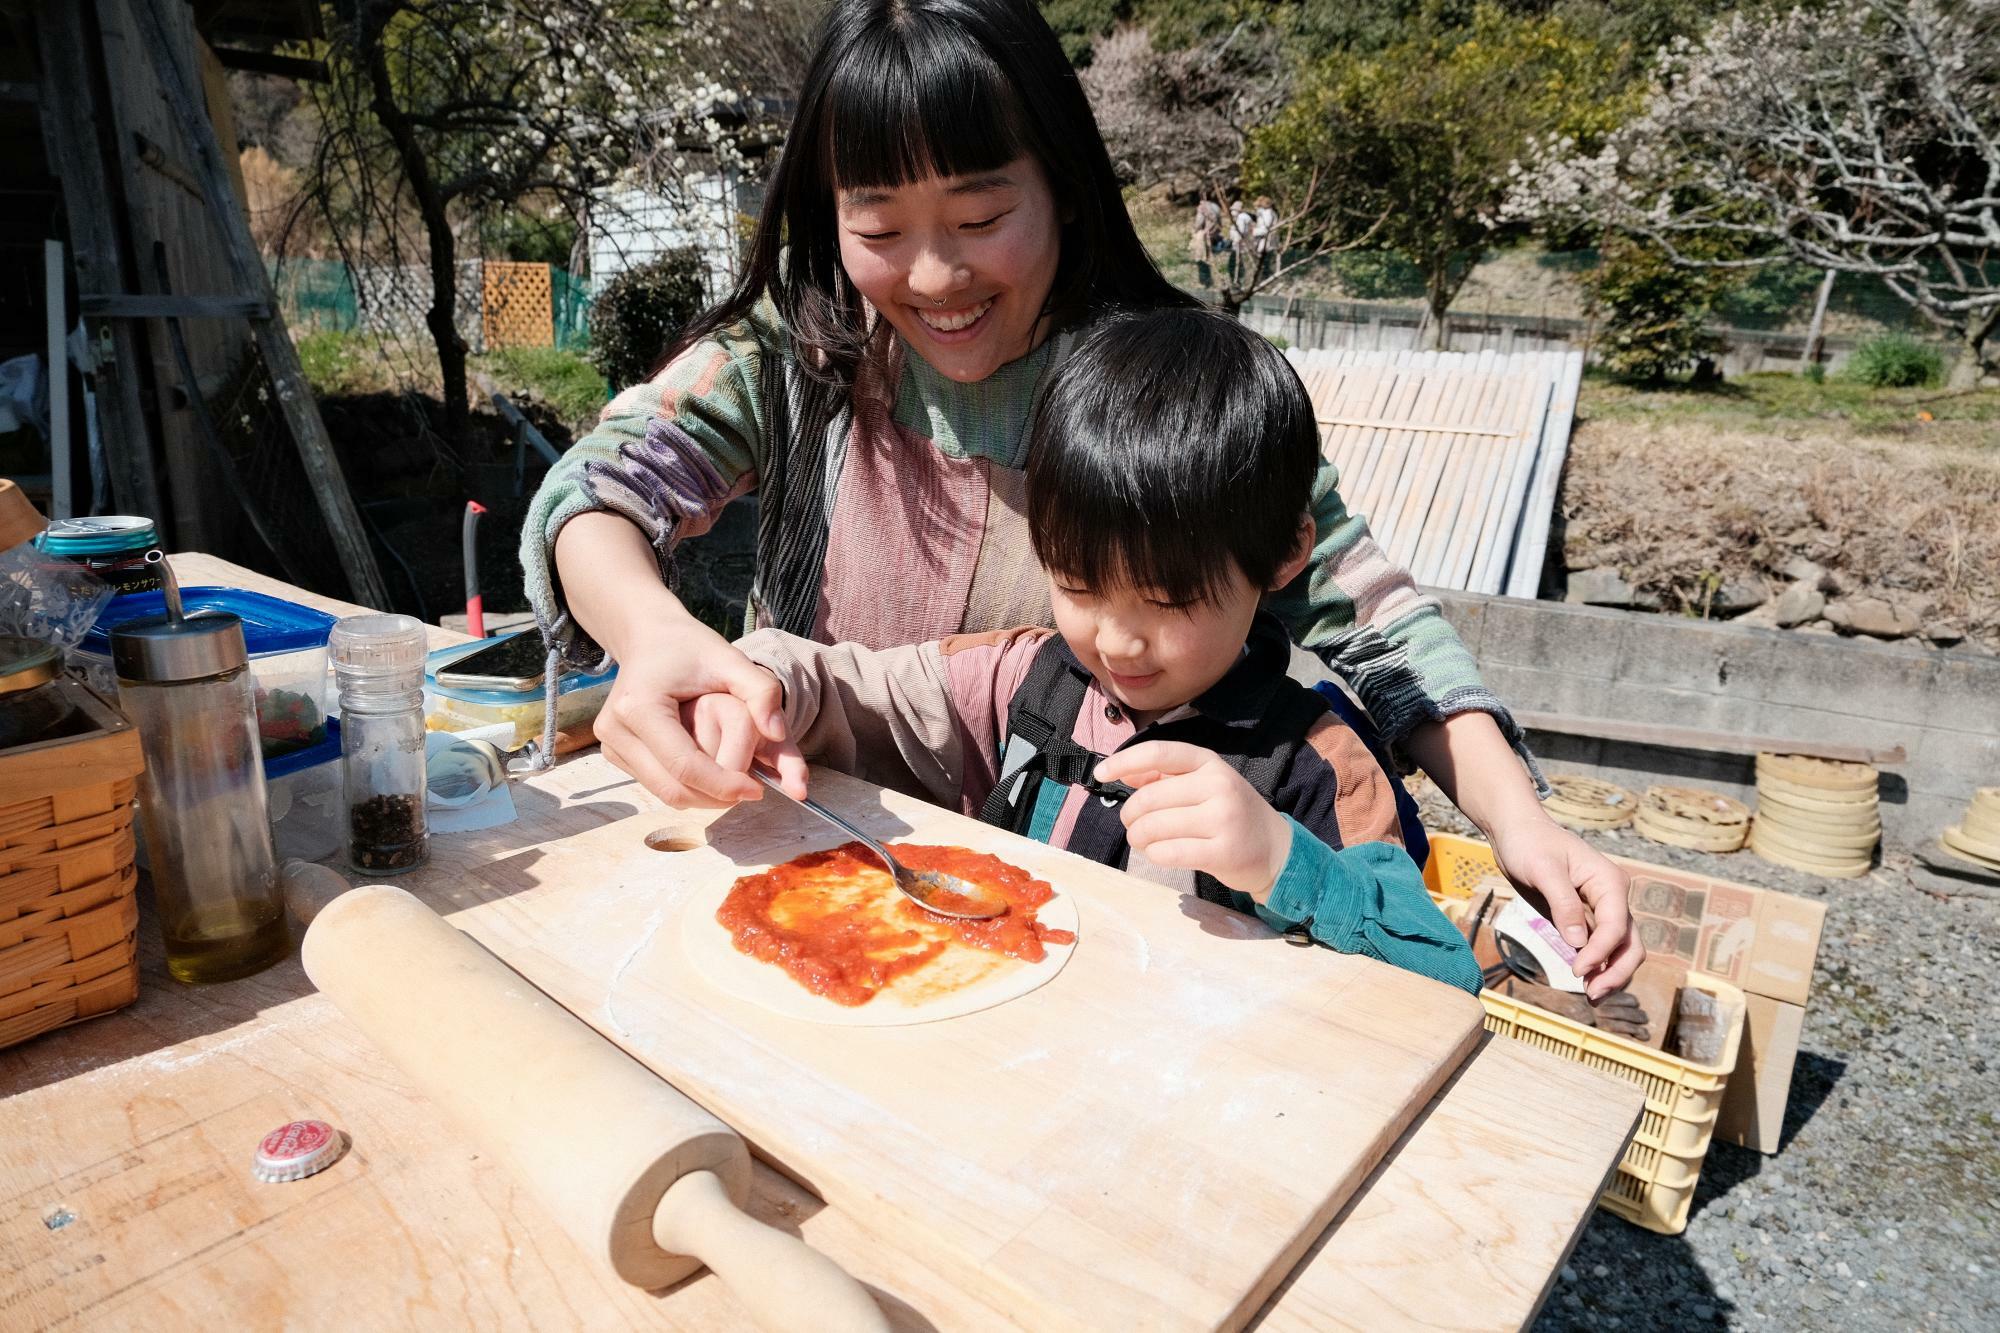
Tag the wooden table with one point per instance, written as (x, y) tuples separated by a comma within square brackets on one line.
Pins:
[(126, 1196)]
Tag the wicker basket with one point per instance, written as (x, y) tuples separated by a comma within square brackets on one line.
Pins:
[(68, 919)]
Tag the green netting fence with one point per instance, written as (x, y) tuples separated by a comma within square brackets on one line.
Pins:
[(570, 299), (317, 295)]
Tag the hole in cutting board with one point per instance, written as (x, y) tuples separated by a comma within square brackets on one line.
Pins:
[(673, 840)]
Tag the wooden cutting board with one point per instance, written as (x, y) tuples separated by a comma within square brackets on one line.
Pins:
[(1151, 1139)]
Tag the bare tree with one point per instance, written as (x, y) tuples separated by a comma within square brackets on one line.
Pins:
[(1181, 114), (439, 111), (1859, 137)]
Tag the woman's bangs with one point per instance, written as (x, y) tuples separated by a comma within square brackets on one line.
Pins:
[(923, 103)]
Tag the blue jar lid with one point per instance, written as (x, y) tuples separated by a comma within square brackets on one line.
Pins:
[(269, 624)]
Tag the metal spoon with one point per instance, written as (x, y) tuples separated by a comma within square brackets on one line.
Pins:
[(946, 895)]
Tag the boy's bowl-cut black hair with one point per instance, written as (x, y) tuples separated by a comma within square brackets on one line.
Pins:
[(1171, 445)]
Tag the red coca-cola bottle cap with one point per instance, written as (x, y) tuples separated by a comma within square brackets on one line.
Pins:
[(298, 1150)]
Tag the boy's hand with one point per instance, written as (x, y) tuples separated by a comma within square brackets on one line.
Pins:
[(722, 726), (1193, 812)]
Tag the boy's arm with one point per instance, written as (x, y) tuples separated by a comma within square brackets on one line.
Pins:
[(925, 719), (1367, 899), (1192, 811), (885, 716)]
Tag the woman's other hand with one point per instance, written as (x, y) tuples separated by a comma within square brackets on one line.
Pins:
[(1576, 887), (1581, 891), (663, 674)]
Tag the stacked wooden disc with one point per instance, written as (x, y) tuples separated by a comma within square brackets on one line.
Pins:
[(1976, 838), (1818, 815), (1690, 817), (1586, 803)]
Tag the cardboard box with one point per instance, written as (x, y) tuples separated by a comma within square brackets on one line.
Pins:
[(1753, 1104), (1761, 940)]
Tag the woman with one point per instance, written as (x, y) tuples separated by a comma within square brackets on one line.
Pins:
[(942, 223), (1206, 236)]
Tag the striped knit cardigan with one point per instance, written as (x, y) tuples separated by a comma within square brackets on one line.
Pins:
[(907, 521)]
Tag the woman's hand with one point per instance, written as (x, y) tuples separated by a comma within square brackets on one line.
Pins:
[(666, 658), (688, 714), (1564, 875), (1193, 812)]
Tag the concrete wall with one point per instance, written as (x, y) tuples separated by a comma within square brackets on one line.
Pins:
[(1942, 707)]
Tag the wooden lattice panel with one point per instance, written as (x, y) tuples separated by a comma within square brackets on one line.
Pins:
[(515, 305)]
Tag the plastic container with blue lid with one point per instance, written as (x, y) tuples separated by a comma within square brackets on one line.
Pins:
[(287, 645), (451, 708), (306, 800)]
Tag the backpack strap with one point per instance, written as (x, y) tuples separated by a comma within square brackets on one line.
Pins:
[(1040, 741)]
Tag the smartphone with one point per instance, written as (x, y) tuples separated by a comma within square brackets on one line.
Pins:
[(518, 662)]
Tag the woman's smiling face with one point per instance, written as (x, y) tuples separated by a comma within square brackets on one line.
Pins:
[(960, 265)]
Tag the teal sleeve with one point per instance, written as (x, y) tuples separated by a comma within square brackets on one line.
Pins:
[(1368, 899)]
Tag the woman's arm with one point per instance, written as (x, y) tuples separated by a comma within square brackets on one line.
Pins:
[(1366, 616), (1473, 764)]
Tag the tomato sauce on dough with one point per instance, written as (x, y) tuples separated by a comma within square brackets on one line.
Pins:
[(835, 922)]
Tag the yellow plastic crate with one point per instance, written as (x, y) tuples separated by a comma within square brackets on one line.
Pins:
[(1654, 1184)]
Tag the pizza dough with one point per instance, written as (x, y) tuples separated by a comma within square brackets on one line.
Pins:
[(962, 980)]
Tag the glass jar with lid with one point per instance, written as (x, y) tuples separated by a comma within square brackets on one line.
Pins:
[(32, 706), (378, 669)]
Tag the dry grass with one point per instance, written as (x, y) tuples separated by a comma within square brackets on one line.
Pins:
[(1680, 503)]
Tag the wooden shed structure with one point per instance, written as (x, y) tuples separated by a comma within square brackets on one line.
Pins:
[(129, 269)]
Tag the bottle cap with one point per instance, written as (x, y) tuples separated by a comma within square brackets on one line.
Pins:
[(298, 1150), (370, 646), (163, 649)]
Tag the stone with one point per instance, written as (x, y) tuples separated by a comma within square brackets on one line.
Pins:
[(1872, 616), (1801, 570), (1761, 617), (1599, 587), (1798, 604), (1816, 627), (1736, 596), (1944, 633)]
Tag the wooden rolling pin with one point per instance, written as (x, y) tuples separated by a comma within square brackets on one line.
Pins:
[(638, 1175)]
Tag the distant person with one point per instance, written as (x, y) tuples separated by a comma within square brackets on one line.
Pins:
[(1241, 227), (1206, 240), (1264, 235)]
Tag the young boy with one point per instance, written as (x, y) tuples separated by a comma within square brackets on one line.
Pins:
[(1169, 489)]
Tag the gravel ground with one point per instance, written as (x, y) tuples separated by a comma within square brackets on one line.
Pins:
[(1882, 1210)]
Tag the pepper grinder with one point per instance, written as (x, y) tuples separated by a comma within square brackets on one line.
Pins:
[(185, 683), (378, 663)]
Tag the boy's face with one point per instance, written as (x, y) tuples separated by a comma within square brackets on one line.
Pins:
[(1152, 655)]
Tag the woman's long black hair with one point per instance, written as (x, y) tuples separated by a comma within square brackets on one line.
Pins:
[(896, 91)]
